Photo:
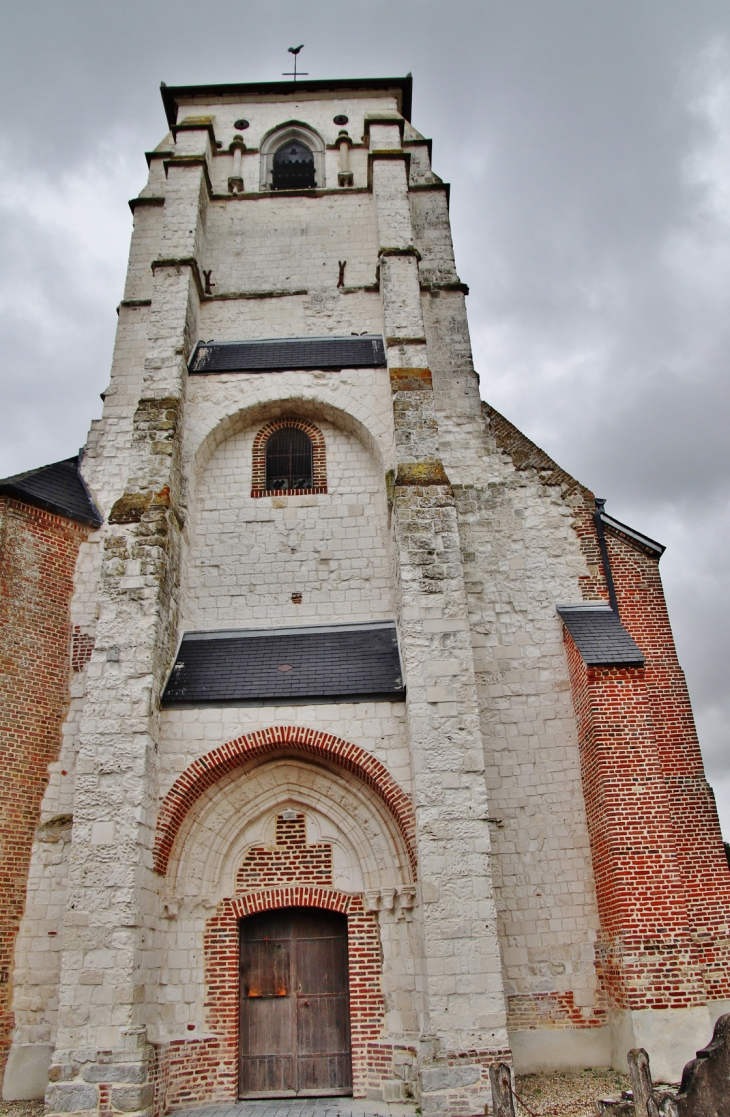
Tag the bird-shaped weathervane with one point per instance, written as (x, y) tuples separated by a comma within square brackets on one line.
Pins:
[(293, 73)]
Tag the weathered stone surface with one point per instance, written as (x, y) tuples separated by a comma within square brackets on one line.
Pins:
[(115, 1072), (449, 1078), (71, 1098), (131, 1098)]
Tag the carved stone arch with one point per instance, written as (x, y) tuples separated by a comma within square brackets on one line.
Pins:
[(241, 811), (306, 408), (258, 455), (283, 133), (197, 783)]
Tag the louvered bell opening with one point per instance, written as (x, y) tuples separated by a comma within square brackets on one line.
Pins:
[(288, 460), (293, 167)]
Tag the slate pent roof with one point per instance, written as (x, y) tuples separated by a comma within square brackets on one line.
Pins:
[(278, 354), (57, 488), (322, 663), (599, 635)]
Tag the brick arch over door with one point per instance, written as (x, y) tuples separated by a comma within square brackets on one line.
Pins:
[(319, 458), (263, 744), (367, 1005)]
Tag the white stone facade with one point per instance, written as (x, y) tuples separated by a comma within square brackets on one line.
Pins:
[(425, 521)]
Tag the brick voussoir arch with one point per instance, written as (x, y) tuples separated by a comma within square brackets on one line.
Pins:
[(258, 456), (291, 896), (208, 769)]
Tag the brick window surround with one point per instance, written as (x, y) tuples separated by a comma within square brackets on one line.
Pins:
[(262, 745), (221, 950), (258, 463)]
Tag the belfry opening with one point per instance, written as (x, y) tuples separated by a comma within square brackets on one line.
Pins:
[(293, 167)]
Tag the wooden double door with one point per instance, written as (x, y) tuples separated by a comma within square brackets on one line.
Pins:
[(295, 1004)]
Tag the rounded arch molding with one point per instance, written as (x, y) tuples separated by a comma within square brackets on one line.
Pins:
[(258, 455), (266, 744), (302, 408)]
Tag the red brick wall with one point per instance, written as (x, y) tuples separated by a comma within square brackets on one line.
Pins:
[(529, 1011), (291, 859), (37, 560), (662, 880)]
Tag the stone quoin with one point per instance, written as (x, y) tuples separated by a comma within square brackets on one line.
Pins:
[(423, 689)]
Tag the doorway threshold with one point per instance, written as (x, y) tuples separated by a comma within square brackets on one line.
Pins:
[(301, 1107)]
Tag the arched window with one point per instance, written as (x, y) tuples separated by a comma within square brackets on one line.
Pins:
[(292, 158), (288, 457), (293, 167), (288, 460)]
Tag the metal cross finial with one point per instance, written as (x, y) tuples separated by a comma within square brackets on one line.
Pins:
[(293, 73)]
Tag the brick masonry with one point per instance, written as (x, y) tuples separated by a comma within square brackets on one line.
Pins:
[(290, 860), (661, 874), (37, 559)]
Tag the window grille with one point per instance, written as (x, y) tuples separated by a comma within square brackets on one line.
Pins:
[(289, 460), (293, 167)]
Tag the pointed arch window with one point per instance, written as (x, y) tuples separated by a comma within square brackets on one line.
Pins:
[(292, 158), (293, 167)]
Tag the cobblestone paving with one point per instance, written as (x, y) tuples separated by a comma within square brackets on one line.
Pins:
[(304, 1107)]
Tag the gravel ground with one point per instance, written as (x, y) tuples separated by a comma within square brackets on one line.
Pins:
[(21, 1109), (567, 1095)]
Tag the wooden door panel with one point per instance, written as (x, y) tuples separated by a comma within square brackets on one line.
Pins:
[(295, 1013), (268, 1075), (322, 1075), (321, 1026), (266, 969), (266, 1027), (321, 965)]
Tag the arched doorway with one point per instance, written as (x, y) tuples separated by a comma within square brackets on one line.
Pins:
[(295, 1004)]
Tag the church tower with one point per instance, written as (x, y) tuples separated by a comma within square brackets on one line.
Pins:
[(378, 766)]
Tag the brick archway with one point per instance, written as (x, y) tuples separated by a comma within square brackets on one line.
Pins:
[(258, 456), (265, 744), (207, 1070)]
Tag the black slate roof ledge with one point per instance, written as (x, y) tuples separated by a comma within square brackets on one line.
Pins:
[(599, 636), (281, 354), (287, 666)]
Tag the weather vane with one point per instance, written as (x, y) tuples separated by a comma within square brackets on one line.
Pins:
[(293, 73)]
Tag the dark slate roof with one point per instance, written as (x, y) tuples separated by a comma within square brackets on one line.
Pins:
[(631, 535), (599, 636), (278, 354), (352, 662), (57, 488)]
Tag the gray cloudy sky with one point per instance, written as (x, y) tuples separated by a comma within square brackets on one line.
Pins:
[(588, 144)]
